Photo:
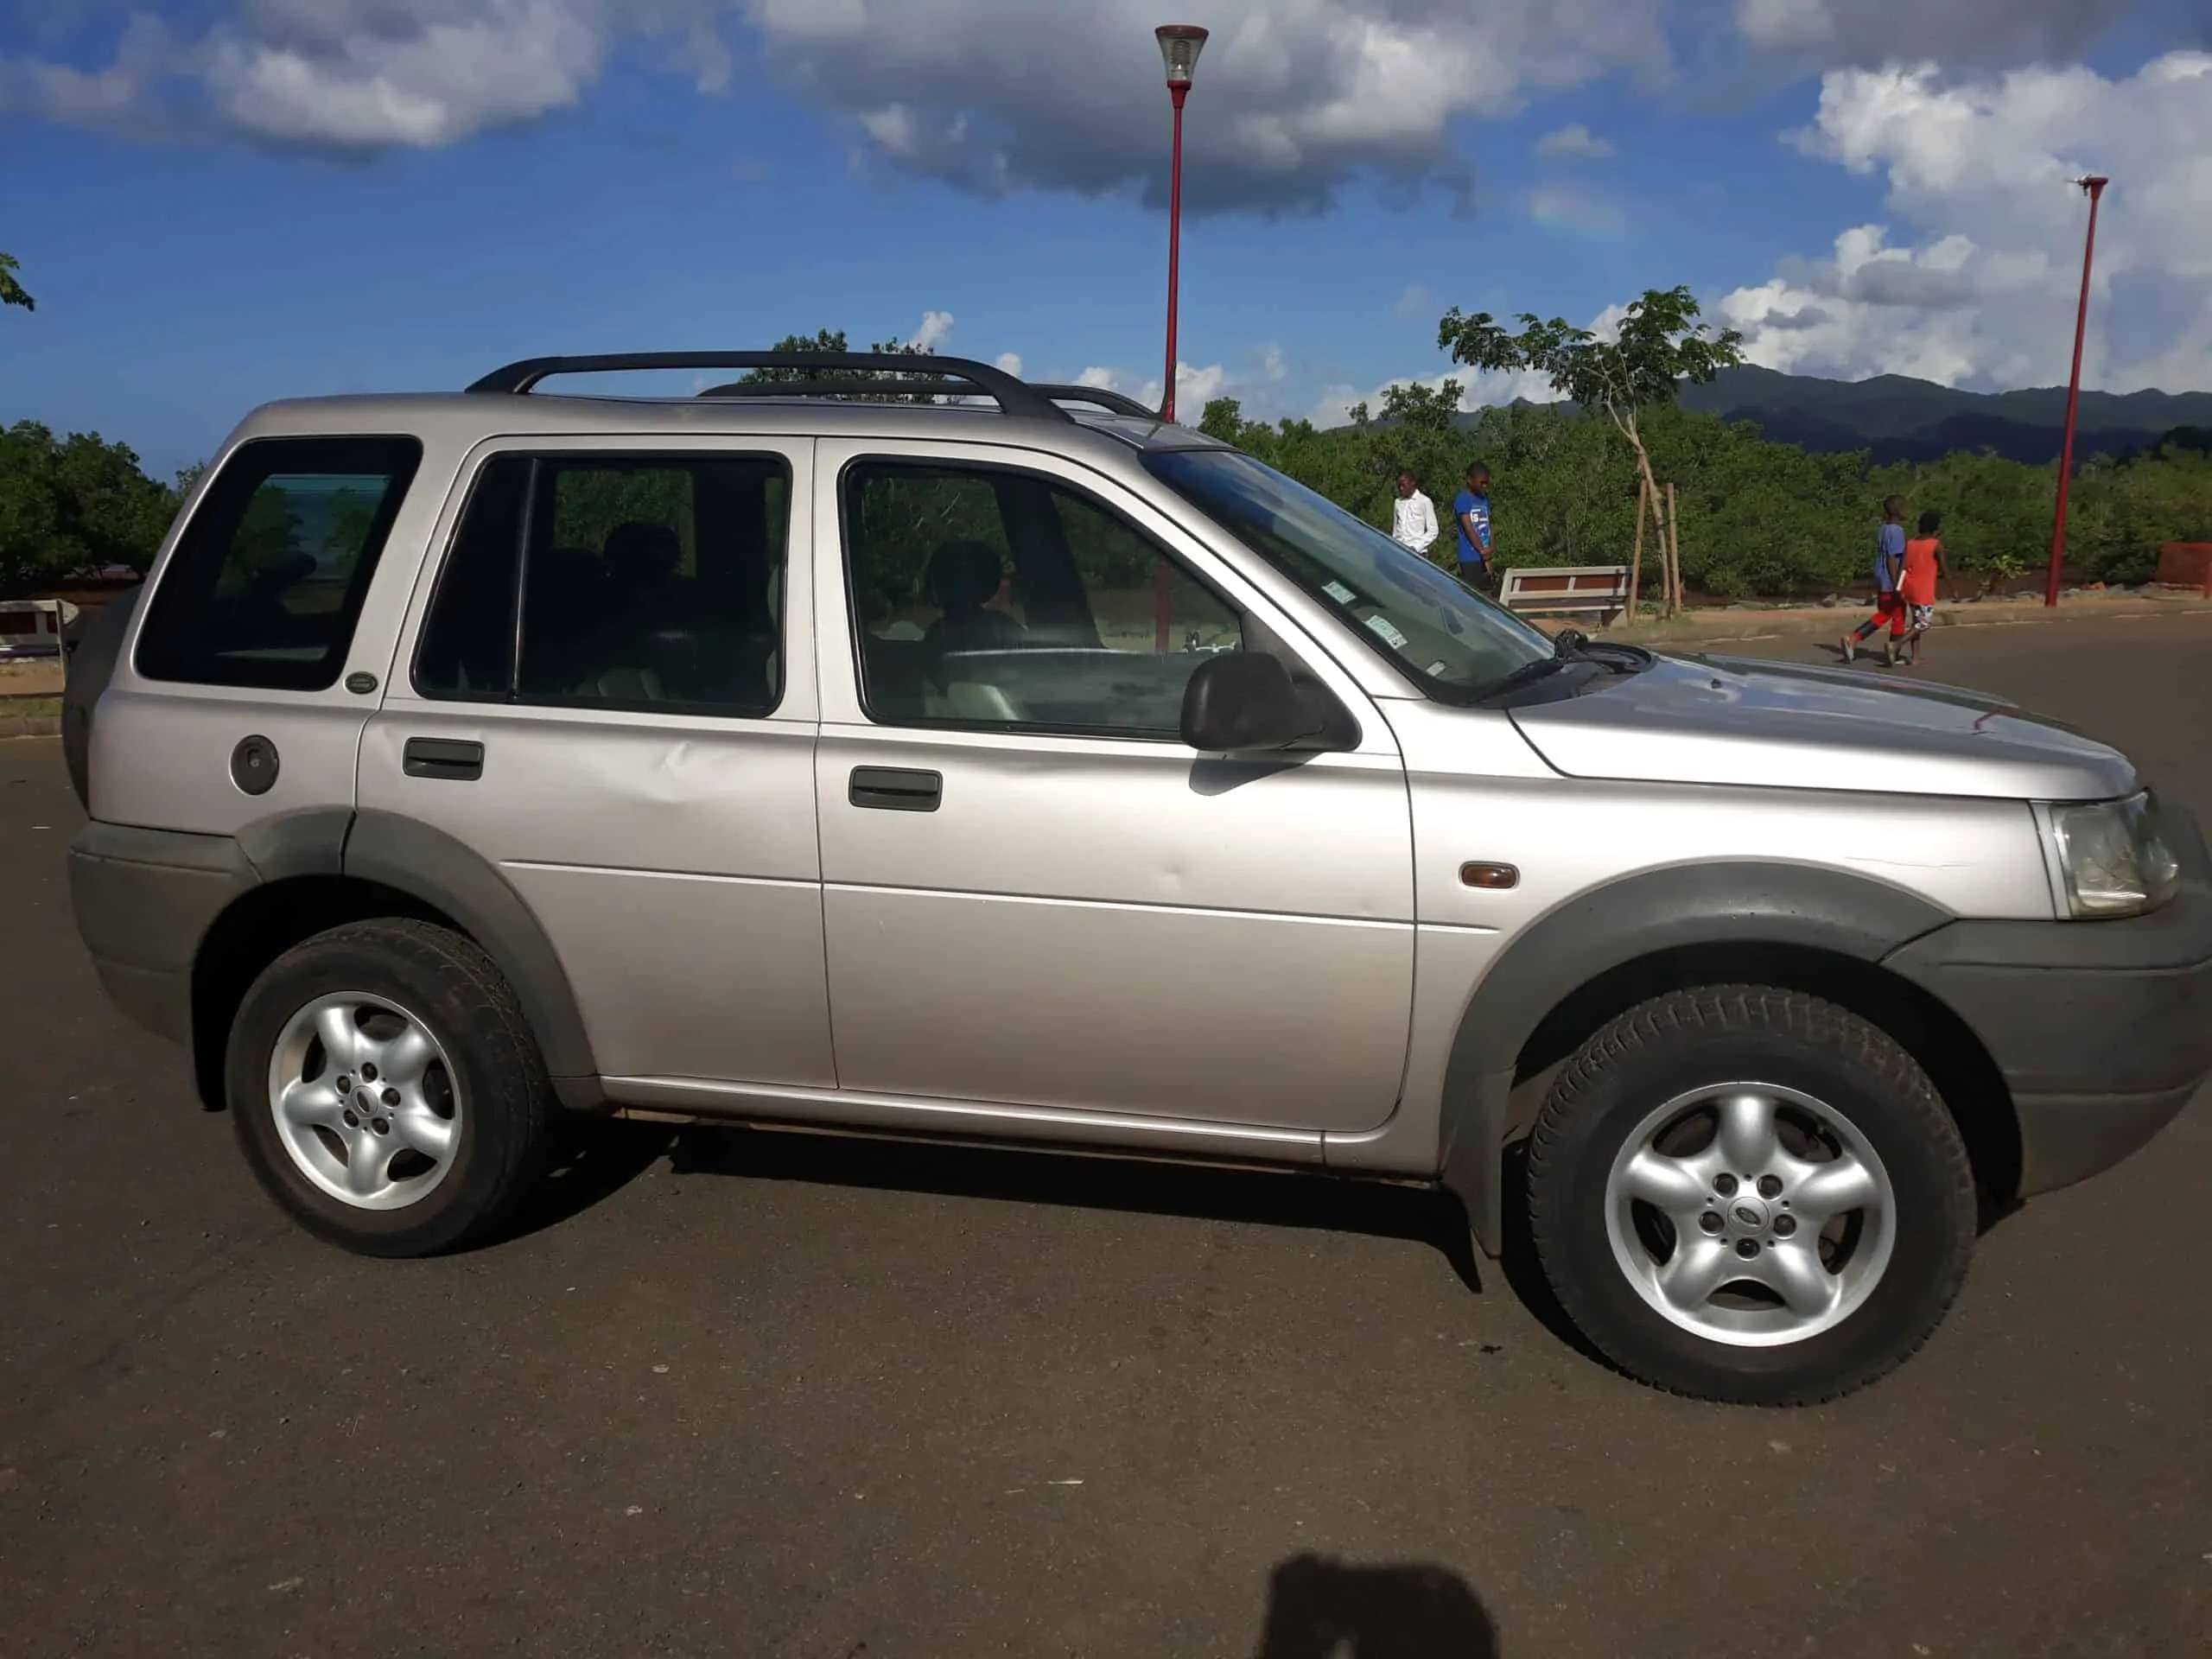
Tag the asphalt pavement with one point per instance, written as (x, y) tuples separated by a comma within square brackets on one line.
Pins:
[(742, 1393)]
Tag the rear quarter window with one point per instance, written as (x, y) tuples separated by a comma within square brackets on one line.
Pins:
[(268, 577)]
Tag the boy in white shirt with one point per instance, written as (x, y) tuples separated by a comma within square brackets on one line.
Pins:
[(1413, 518)]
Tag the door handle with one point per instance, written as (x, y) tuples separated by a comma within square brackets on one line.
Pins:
[(457, 759), (895, 789)]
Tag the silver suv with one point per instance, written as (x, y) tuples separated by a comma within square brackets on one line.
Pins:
[(958, 757)]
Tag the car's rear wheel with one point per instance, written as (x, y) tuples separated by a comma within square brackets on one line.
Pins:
[(1749, 1194), (386, 1090)]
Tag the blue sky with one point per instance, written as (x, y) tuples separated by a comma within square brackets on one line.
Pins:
[(281, 197)]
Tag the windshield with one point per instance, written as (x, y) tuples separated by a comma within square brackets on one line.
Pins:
[(1448, 637)]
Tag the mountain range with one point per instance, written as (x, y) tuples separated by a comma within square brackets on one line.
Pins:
[(1899, 418)]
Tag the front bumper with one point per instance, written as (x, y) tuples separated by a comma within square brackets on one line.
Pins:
[(2102, 1030)]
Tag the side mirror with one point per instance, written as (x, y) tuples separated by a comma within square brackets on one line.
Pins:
[(1239, 702)]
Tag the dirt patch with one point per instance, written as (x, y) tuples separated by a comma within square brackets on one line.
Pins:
[(29, 716), (35, 678)]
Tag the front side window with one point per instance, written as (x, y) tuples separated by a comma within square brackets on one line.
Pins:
[(269, 576), (639, 583), (1441, 631), (987, 597)]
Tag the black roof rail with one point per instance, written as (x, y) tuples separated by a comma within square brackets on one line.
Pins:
[(1117, 402), (819, 386), (1012, 396)]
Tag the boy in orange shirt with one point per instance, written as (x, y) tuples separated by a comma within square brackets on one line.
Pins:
[(1924, 563)]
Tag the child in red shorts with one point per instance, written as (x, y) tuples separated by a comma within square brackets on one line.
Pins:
[(1889, 603)]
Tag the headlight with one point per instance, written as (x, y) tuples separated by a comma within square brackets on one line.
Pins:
[(2108, 858)]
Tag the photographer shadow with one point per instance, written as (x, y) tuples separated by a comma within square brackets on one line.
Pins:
[(1320, 1609)]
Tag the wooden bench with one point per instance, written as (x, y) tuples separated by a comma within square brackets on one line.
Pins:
[(1602, 587), (32, 627)]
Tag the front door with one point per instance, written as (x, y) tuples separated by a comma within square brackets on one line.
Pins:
[(1034, 893), (610, 699)]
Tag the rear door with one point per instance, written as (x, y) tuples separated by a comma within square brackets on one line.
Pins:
[(1035, 894), (607, 694)]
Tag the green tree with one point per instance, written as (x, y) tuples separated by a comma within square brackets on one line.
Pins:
[(1659, 344), (72, 504), (823, 339), (1425, 408), (11, 291), (1224, 419), (834, 339), (265, 545)]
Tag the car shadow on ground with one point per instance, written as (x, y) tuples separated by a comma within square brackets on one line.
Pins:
[(1320, 1609), (596, 1158), (589, 1161)]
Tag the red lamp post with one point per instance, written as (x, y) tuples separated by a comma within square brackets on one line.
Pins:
[(1179, 46), (2095, 188)]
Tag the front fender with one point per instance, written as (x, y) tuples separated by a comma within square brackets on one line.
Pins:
[(1604, 929)]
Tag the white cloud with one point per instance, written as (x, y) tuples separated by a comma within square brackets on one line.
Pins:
[(1295, 99), (936, 330), (1477, 390), (1196, 387), (441, 79), (1576, 143), (1009, 363), (1975, 281), (1196, 384), (1606, 325), (1415, 302)]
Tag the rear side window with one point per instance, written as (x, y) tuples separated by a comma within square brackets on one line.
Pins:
[(642, 582), (266, 584)]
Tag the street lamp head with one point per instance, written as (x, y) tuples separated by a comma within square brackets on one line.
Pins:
[(1179, 46), (2092, 184)]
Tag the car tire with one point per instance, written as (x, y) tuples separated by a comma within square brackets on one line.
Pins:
[(1705, 1254), (386, 1090)]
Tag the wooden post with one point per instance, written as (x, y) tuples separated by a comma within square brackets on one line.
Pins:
[(1636, 559), (1674, 547)]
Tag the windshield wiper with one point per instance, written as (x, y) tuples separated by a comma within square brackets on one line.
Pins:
[(1528, 674), (1577, 646), (1571, 647)]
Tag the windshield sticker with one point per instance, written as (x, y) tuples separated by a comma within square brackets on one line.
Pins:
[(1339, 592), (1390, 636), (1437, 670)]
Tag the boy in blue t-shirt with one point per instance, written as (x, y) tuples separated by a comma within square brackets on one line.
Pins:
[(1889, 603), (1472, 511)]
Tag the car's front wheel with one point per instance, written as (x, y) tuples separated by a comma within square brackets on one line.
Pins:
[(386, 1089), (1749, 1194)]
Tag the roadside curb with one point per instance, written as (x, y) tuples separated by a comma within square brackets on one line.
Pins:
[(30, 726), (1775, 625)]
